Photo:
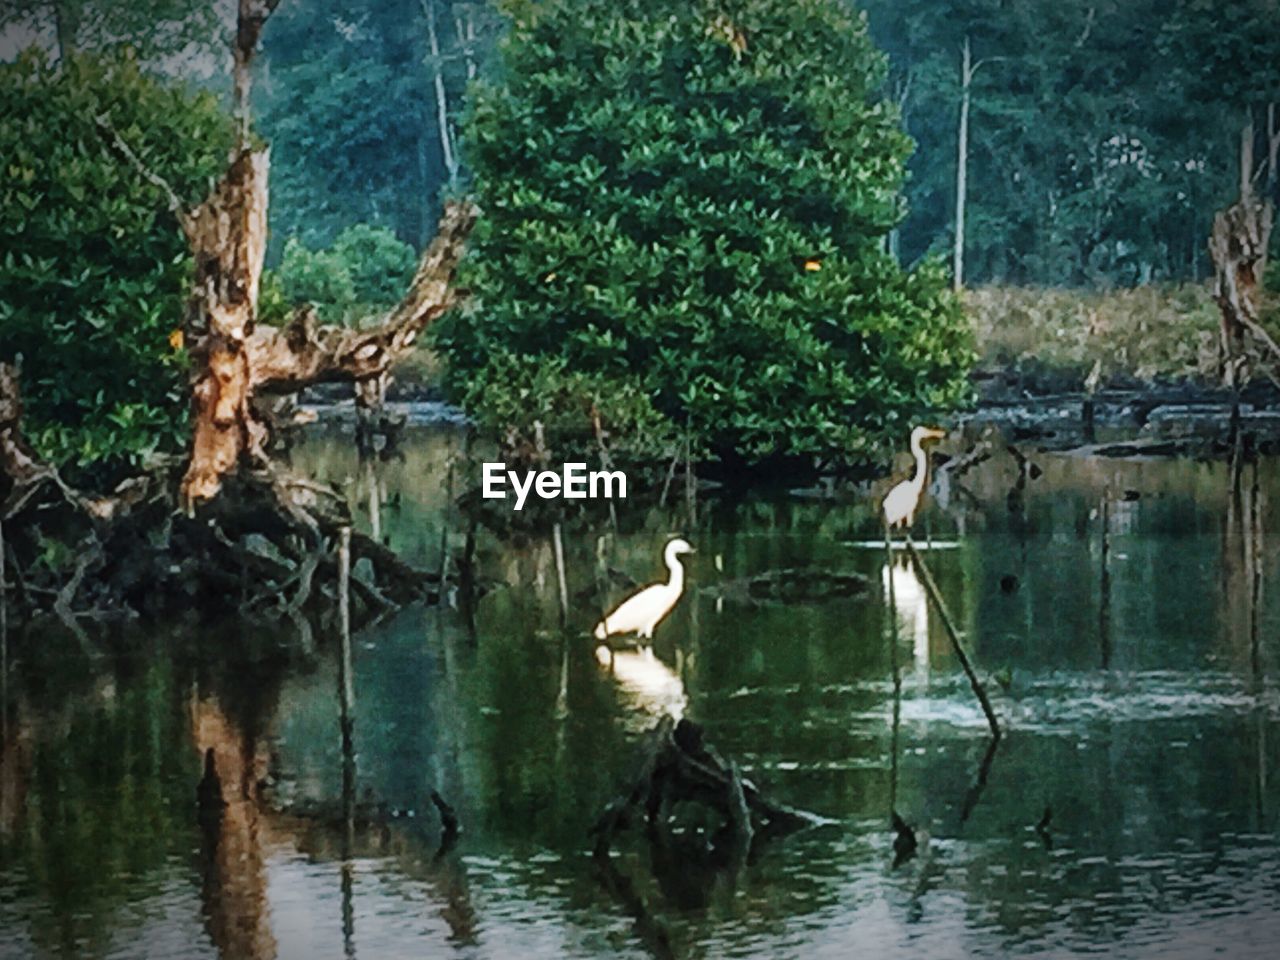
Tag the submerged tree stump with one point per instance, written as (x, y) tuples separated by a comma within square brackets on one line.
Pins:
[(678, 766)]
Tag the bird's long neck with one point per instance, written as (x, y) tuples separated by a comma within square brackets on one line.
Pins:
[(922, 464), (675, 581)]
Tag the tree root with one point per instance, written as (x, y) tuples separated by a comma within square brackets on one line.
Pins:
[(261, 550), (677, 766)]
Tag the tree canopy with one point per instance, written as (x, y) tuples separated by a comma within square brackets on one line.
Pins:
[(95, 270), (685, 210), (350, 103), (152, 30), (1104, 135)]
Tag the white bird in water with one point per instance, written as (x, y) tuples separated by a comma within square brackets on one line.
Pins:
[(641, 612), (902, 502)]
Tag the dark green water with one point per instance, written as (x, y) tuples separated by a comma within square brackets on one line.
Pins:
[(1151, 733)]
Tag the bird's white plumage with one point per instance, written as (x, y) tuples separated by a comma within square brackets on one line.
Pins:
[(641, 613), (902, 502)]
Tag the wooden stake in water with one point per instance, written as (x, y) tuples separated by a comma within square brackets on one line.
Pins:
[(671, 474), (561, 582), (1104, 581), (346, 686), (606, 461), (932, 589), (4, 644), (1254, 546)]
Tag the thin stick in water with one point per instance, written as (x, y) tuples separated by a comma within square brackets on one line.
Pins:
[(4, 644), (346, 686), (671, 475), (1254, 546), (932, 589), (561, 582), (606, 461), (1104, 602), (690, 485)]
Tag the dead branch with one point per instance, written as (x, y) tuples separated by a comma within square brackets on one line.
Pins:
[(90, 556), (113, 138), (305, 352), (240, 360), (20, 463), (1238, 246), (252, 16)]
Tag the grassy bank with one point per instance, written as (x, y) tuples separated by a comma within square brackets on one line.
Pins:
[(1054, 337), (1144, 334)]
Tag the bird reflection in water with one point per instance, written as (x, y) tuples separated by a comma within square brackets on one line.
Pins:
[(648, 683), (911, 607)]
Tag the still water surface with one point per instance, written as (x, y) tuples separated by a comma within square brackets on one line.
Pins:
[(1147, 726)]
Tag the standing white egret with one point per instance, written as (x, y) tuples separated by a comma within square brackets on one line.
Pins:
[(902, 502), (643, 611)]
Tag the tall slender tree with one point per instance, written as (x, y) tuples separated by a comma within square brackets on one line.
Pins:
[(154, 30)]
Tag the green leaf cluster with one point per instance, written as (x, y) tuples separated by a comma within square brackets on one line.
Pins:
[(94, 271), (688, 202), (365, 271)]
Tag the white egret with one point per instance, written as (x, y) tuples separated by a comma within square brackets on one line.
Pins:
[(902, 502), (643, 611)]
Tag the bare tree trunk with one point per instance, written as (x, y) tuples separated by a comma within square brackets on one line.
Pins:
[(66, 25), (1273, 152), (251, 17), (228, 234), (962, 165), (233, 358), (1238, 247), (442, 101), (465, 28)]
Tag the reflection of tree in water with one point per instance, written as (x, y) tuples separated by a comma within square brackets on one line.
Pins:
[(94, 790), (233, 869), (1243, 559), (1243, 576)]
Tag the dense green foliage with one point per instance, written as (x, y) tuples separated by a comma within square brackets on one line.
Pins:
[(687, 204), (1103, 135), (365, 271), (349, 104), (94, 271)]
